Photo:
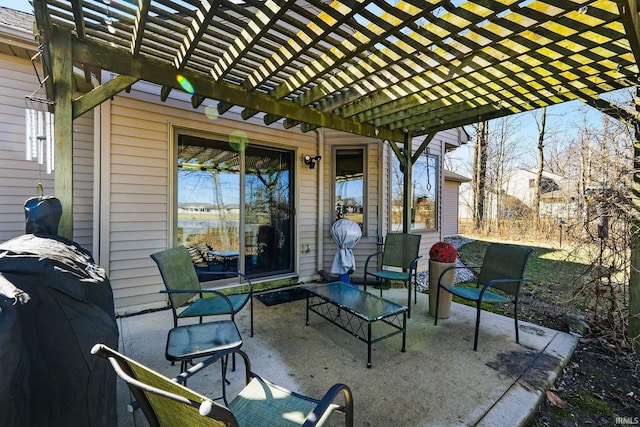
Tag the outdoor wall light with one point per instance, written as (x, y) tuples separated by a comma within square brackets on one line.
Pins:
[(311, 160)]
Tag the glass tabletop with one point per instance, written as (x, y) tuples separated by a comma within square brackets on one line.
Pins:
[(202, 339), (363, 304)]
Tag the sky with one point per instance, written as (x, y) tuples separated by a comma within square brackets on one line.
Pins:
[(22, 5)]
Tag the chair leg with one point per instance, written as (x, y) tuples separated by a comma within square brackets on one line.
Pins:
[(475, 338), (251, 313), (515, 316), (409, 298), (415, 286), (233, 356), (224, 361), (183, 367)]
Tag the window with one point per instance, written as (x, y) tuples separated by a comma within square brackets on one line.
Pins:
[(349, 193), (226, 191), (424, 203)]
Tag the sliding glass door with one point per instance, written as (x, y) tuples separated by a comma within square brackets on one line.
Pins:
[(268, 211), (224, 194)]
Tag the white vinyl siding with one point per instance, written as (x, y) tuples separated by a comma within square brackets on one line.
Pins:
[(140, 201), (20, 177), (450, 208)]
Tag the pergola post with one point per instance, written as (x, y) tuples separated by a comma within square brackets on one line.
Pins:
[(407, 193), (633, 332), (62, 74)]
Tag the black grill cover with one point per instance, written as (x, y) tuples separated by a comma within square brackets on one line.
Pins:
[(55, 303)]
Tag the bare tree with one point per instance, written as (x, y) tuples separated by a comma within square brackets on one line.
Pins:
[(480, 173), (538, 182)]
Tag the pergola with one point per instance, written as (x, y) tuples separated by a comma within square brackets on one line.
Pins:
[(386, 69)]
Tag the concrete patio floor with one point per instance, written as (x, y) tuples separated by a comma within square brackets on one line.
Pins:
[(438, 381)]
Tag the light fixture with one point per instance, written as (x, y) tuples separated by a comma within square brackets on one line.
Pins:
[(311, 160)]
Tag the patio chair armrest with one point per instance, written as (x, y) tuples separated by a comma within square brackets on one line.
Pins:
[(201, 292), (456, 267), (508, 280), (102, 351), (366, 263), (414, 263), (326, 403)]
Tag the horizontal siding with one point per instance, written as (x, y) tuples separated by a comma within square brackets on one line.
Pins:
[(83, 175), (19, 177), (450, 208), (138, 201), (139, 205)]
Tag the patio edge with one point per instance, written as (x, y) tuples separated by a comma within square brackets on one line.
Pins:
[(520, 402)]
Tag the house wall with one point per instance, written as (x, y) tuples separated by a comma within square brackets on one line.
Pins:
[(136, 211), (517, 185), (374, 197), (378, 197), (450, 208), (130, 217), (20, 177)]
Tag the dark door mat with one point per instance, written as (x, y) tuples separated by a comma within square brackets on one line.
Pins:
[(279, 297)]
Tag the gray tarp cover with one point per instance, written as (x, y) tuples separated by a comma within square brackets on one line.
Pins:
[(346, 234), (49, 377)]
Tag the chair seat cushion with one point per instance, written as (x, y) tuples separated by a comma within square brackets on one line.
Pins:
[(261, 404), (214, 305), (391, 275), (474, 293)]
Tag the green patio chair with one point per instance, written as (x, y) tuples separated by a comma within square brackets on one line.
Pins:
[(502, 269), (186, 295), (167, 403), (400, 251)]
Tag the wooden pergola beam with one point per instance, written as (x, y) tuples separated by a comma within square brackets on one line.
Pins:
[(152, 70), (97, 96)]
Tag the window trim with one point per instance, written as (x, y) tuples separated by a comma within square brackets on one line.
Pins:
[(365, 181)]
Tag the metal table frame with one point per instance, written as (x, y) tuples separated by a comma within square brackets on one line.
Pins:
[(354, 311), (213, 340)]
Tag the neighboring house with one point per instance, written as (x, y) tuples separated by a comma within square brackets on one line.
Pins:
[(557, 196), (141, 166), (557, 199)]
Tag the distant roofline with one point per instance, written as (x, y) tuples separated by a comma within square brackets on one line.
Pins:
[(452, 176)]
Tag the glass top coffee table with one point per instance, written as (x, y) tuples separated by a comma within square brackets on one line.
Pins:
[(355, 311)]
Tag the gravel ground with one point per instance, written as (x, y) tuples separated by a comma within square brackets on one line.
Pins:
[(462, 274)]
